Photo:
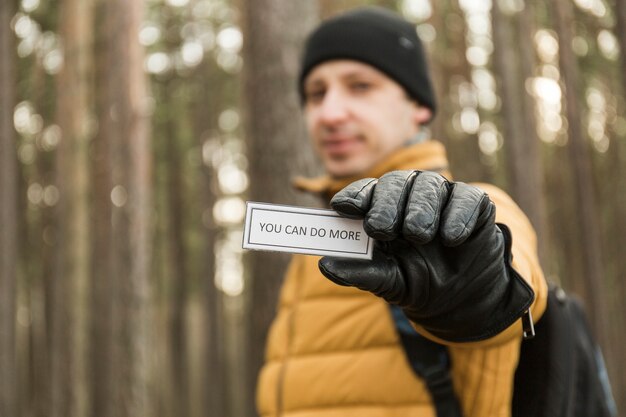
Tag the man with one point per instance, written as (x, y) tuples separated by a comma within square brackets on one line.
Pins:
[(443, 253)]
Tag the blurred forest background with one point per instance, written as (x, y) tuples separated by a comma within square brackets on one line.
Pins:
[(132, 132)]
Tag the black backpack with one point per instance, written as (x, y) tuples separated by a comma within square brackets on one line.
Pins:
[(561, 371)]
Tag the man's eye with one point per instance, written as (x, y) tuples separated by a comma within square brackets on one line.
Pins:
[(360, 86), (314, 95)]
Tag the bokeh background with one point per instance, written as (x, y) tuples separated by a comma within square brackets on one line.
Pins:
[(132, 133)]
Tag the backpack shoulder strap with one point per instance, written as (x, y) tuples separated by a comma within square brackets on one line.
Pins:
[(431, 362)]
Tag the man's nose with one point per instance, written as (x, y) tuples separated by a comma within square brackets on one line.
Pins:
[(334, 107)]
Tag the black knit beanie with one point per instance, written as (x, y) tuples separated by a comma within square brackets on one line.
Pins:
[(377, 37)]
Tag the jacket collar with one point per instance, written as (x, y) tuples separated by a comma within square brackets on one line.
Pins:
[(425, 156)]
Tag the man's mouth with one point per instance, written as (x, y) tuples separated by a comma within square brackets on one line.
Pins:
[(340, 146)]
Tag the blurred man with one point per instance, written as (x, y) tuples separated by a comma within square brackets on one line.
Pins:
[(459, 261)]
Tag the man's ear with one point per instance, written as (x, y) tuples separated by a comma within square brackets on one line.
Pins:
[(422, 115)]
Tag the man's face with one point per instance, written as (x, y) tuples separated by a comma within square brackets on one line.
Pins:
[(356, 116)]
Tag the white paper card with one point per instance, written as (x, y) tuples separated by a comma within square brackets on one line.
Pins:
[(274, 227)]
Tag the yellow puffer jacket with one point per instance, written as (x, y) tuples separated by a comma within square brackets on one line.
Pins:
[(334, 352)]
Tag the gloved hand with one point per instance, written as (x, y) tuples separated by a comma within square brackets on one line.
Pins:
[(439, 254)]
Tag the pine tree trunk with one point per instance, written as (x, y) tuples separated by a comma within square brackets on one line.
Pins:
[(593, 274), (102, 283), (328, 8), (132, 220), (449, 68), (278, 148), (102, 265), (122, 362), (178, 261), (69, 325), (8, 216), (521, 143), (620, 26), (207, 107), (618, 234), (439, 69)]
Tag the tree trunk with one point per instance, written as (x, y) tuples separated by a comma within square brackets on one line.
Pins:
[(450, 68), (38, 260), (122, 254), (593, 274), (178, 278), (132, 219), (207, 106), (103, 278), (615, 241), (328, 8), (620, 26), (8, 216), (69, 326), (440, 72), (215, 404), (618, 234), (274, 31), (521, 144)]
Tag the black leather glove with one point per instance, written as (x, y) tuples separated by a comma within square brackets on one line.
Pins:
[(439, 254)]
